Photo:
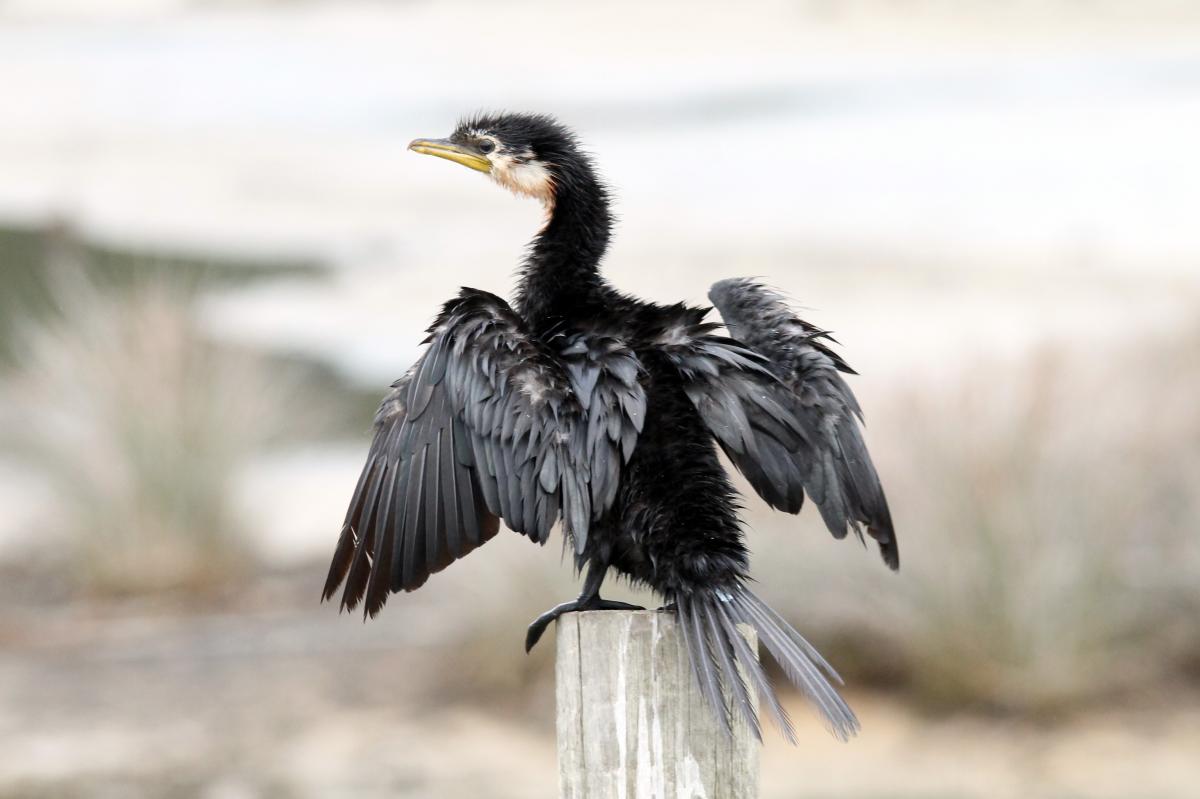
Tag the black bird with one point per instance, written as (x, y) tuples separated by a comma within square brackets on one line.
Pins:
[(581, 403)]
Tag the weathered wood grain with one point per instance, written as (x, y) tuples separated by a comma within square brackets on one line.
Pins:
[(631, 722)]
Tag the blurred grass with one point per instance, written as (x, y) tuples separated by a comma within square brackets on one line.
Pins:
[(1048, 516), (137, 419), (1062, 562)]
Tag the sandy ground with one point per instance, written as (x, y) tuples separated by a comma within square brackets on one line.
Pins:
[(291, 700)]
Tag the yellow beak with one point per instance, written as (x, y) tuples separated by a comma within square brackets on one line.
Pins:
[(444, 148)]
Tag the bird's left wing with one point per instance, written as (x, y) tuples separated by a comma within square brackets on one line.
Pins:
[(489, 424), (832, 464), (779, 410), (749, 411)]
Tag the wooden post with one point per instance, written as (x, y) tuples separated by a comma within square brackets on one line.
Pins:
[(632, 724)]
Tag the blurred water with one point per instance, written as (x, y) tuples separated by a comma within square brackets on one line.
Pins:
[(222, 115)]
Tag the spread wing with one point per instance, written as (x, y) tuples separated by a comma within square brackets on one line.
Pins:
[(489, 424), (745, 406), (831, 464)]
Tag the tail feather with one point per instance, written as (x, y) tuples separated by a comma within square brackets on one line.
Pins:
[(703, 665), (800, 669), (757, 676), (717, 648), (723, 646), (799, 639)]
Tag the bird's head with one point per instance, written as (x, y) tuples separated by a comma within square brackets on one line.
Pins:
[(529, 154)]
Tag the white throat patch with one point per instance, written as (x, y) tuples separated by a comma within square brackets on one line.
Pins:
[(530, 178)]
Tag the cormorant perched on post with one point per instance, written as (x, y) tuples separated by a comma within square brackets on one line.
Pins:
[(582, 403)]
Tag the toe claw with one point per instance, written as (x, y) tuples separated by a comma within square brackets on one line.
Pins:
[(534, 634), (538, 628), (535, 631)]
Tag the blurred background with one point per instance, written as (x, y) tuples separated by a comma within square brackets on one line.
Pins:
[(215, 254)]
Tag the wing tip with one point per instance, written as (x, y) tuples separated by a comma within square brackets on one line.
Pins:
[(889, 550), (883, 532)]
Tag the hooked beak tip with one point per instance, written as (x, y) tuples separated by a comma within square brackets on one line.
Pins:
[(451, 151)]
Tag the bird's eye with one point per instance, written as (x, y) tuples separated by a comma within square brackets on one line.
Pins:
[(486, 146)]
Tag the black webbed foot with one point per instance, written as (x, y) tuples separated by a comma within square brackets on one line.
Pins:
[(534, 634)]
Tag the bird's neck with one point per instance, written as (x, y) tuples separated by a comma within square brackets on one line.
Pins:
[(560, 280)]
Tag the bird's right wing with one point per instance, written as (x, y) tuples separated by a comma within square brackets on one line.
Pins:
[(489, 424)]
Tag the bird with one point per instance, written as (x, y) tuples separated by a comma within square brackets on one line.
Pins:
[(582, 407)]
